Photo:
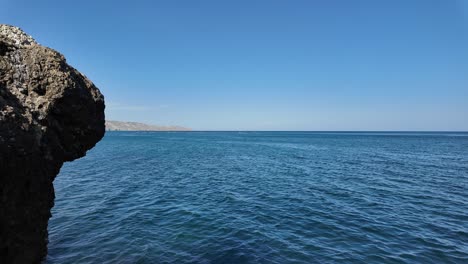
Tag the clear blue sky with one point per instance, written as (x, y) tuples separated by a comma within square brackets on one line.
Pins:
[(265, 65)]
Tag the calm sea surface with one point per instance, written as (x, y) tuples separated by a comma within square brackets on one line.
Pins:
[(264, 197)]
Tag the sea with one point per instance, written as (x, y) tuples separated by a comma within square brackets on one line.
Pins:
[(264, 197)]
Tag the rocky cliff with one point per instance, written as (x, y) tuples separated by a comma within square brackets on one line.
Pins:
[(49, 114)]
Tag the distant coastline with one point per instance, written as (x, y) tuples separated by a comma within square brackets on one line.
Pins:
[(112, 125)]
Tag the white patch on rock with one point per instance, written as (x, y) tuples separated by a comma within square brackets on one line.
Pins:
[(17, 35)]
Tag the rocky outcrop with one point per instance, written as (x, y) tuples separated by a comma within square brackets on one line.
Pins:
[(49, 114)]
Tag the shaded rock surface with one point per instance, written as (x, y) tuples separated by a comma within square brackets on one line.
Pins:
[(49, 113)]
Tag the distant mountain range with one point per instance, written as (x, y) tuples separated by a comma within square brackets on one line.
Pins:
[(135, 126)]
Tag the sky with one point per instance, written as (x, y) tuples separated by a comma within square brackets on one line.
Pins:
[(265, 64)]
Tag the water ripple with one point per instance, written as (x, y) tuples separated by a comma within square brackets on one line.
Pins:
[(261, 197)]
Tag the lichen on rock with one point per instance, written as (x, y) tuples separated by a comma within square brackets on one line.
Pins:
[(49, 114)]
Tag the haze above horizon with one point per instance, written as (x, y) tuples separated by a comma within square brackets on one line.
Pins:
[(265, 65)]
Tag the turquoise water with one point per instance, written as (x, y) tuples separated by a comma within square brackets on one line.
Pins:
[(264, 197)]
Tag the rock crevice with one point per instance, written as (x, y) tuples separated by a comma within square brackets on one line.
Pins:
[(49, 114)]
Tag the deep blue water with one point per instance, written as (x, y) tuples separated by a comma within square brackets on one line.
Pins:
[(264, 197)]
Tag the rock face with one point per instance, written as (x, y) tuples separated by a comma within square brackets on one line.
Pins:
[(49, 113)]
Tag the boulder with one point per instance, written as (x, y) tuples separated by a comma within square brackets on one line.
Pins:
[(49, 114)]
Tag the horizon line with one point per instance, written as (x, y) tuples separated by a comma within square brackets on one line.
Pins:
[(334, 131)]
